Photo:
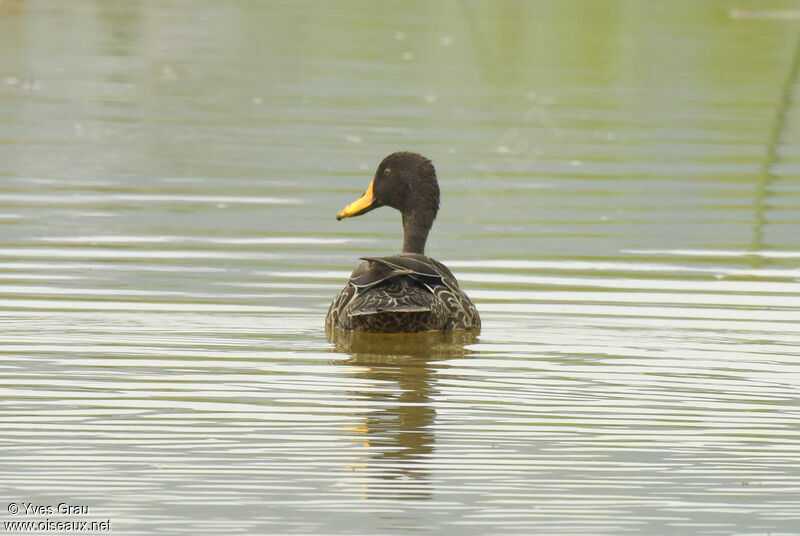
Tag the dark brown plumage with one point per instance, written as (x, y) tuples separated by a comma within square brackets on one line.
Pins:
[(407, 292)]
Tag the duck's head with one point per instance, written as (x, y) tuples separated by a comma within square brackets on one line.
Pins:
[(407, 182)]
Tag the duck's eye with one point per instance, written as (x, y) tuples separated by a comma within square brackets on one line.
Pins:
[(387, 172)]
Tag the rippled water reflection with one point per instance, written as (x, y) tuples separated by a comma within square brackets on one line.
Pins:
[(620, 199)]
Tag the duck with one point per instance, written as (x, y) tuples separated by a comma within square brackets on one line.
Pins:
[(406, 292)]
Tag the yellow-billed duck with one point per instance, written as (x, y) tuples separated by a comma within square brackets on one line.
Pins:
[(406, 292)]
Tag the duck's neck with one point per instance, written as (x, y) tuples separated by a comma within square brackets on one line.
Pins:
[(415, 231)]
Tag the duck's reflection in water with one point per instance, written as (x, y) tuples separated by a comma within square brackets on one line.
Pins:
[(398, 373)]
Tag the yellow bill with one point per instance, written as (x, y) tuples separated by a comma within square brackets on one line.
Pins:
[(360, 205)]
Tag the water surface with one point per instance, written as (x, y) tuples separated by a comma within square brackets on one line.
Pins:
[(620, 199)]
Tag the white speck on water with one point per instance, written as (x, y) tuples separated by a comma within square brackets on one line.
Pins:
[(31, 84), (575, 163), (258, 100), (408, 56), (363, 167), (353, 139), (11, 80), (430, 98), (399, 35), (446, 40), (502, 149)]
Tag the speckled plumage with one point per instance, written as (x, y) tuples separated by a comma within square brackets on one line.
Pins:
[(402, 293)]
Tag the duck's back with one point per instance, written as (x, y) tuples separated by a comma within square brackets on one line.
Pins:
[(402, 293)]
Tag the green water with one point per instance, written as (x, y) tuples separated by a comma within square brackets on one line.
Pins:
[(620, 197)]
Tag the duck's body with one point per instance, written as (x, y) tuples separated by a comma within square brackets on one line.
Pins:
[(407, 292), (402, 293)]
